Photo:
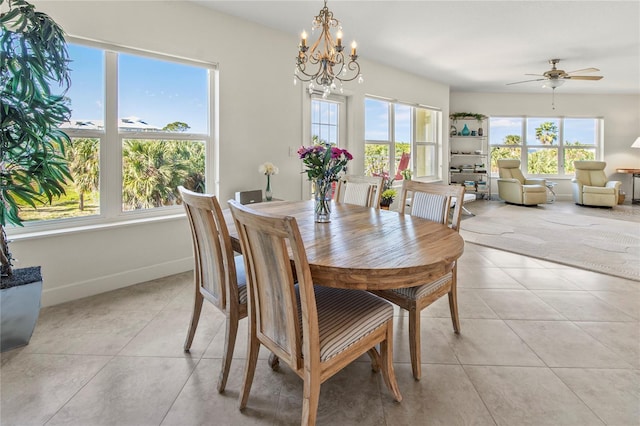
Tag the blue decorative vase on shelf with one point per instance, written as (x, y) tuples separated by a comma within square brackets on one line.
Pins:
[(465, 131)]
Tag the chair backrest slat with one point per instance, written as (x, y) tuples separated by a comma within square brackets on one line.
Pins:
[(268, 244), (433, 201), (214, 264), (375, 187)]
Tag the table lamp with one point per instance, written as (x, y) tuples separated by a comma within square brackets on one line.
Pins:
[(636, 144)]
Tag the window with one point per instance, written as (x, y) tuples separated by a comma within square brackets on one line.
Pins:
[(396, 132), (546, 145), (139, 127)]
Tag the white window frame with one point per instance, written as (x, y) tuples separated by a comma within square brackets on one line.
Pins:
[(111, 140), (437, 143)]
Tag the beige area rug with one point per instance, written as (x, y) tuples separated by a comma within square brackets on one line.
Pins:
[(600, 240)]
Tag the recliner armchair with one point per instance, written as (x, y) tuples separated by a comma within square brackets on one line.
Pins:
[(590, 185), (514, 188)]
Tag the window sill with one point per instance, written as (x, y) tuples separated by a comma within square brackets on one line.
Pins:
[(36, 234)]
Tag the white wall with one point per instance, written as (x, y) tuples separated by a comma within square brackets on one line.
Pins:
[(621, 114), (260, 119)]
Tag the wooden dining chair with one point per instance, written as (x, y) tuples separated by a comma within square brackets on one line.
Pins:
[(432, 202), (364, 191), (315, 330), (219, 276)]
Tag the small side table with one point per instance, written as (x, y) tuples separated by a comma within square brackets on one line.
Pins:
[(550, 185), (635, 173)]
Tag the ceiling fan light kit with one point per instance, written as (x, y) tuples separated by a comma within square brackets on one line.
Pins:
[(555, 77)]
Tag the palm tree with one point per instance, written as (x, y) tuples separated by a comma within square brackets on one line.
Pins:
[(149, 174), (547, 133), (84, 165)]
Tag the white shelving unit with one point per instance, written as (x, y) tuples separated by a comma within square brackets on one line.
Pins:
[(469, 161)]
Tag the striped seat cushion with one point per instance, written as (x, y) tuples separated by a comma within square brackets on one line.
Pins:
[(242, 279), (429, 206), (345, 317), (420, 291), (357, 193)]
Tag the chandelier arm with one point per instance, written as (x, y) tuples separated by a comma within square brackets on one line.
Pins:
[(327, 54)]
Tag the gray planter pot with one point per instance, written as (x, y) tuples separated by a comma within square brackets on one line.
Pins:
[(19, 307)]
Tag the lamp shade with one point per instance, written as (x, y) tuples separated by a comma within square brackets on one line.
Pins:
[(636, 144)]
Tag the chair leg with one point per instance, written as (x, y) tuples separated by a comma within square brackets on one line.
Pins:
[(311, 398), (388, 372), (414, 342), (253, 347), (375, 359), (453, 307), (453, 300), (195, 317), (229, 344)]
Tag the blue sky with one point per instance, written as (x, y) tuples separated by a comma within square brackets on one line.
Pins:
[(158, 92), (377, 121)]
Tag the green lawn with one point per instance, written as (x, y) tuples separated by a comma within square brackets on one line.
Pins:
[(64, 207)]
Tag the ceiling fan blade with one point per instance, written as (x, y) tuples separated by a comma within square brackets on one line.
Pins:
[(583, 77), (584, 70), (537, 75), (526, 81)]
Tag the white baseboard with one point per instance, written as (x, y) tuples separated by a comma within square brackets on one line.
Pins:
[(106, 283)]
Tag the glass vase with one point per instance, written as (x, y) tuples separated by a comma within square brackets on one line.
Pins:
[(323, 201), (267, 193)]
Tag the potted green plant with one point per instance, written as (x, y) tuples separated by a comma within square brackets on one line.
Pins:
[(33, 167), (388, 193)]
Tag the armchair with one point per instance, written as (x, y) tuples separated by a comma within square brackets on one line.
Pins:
[(514, 188), (590, 185)]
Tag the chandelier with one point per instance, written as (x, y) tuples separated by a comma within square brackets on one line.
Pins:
[(324, 62)]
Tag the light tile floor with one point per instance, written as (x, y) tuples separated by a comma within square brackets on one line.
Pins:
[(541, 344)]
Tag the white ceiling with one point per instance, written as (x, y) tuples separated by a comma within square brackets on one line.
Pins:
[(477, 46)]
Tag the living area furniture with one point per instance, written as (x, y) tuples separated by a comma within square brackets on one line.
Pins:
[(514, 188), (550, 186), (469, 155), (346, 252), (635, 173), (219, 276), (591, 187), (317, 331), (431, 202)]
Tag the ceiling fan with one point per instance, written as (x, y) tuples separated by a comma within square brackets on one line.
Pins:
[(555, 77)]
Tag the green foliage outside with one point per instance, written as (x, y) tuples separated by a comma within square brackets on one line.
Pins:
[(542, 161), (152, 170), (376, 157)]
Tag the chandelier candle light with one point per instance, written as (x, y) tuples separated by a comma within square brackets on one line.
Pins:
[(327, 55), (324, 165), (268, 169)]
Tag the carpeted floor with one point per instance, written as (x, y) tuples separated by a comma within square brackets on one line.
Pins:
[(602, 240)]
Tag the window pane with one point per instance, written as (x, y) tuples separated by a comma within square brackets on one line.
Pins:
[(154, 95), (501, 153), (153, 169), (376, 159), (579, 131), (542, 131), (87, 89), (577, 154), (505, 131), (324, 121), (82, 197), (425, 160), (376, 120), (426, 125), (402, 125), (542, 161)]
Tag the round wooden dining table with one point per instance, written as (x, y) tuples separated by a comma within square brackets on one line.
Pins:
[(366, 248)]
